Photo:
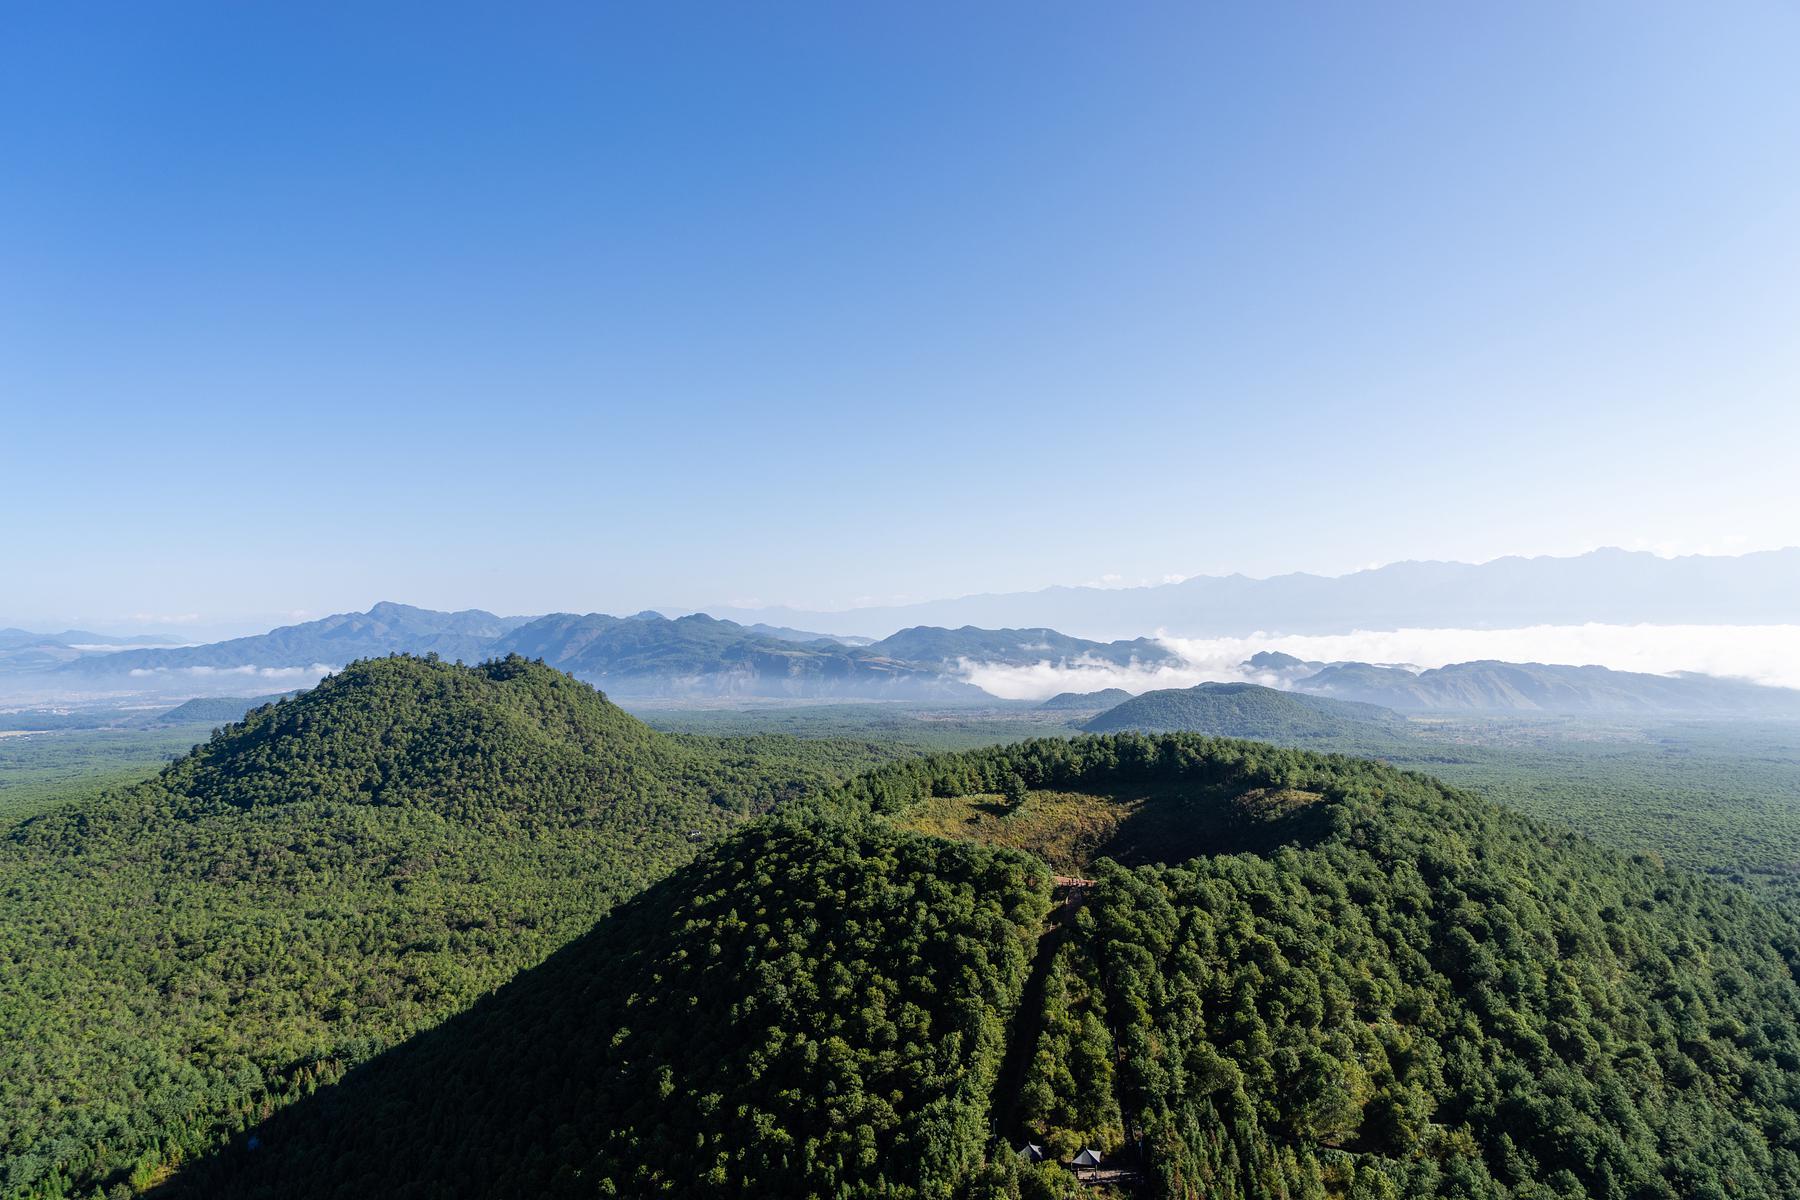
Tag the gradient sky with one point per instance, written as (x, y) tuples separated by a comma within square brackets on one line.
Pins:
[(600, 306)]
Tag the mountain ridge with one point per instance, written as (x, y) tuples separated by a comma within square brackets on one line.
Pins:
[(1608, 585), (699, 656)]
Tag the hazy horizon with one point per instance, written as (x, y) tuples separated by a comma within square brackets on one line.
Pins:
[(197, 626)]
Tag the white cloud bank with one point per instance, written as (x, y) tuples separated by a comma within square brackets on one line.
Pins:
[(1768, 654)]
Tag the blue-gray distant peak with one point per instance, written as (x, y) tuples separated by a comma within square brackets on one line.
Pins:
[(1609, 586)]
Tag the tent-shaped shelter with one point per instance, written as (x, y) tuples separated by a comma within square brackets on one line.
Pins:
[(1032, 1152), (1087, 1158)]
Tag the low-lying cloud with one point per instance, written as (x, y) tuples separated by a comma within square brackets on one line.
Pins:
[(1768, 654), (1041, 680), (290, 675)]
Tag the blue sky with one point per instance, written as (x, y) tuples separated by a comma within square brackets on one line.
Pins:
[(600, 306)]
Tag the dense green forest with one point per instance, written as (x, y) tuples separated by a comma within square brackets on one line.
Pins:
[(1712, 796), (43, 770), (806, 1012), (1294, 975), (1344, 980), (337, 872), (1098, 701)]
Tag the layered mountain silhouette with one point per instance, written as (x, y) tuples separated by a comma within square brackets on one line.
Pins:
[(1491, 686), (1609, 586), (651, 655)]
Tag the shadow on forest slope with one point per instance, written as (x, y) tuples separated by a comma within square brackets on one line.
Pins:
[(444, 1105)]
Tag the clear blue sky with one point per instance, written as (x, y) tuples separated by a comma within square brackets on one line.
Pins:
[(610, 305)]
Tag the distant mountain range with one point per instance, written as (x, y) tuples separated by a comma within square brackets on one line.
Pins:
[(649, 654), (1609, 586), (23, 650), (646, 654), (1491, 686), (697, 656), (330, 641), (14, 639)]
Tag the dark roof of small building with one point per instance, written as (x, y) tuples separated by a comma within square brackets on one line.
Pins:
[(1031, 1152), (1088, 1158)]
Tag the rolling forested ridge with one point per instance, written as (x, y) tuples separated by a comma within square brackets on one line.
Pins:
[(434, 930)]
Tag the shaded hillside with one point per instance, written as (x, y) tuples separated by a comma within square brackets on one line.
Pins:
[(1016, 647), (1086, 701), (695, 655), (1489, 686), (1250, 711), (217, 709), (805, 1012), (1344, 981), (802, 635), (337, 872)]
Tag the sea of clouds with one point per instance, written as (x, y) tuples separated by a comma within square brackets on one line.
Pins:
[(1768, 654)]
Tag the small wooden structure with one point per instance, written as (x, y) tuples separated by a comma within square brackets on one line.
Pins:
[(1071, 888), (1031, 1152), (1091, 1168)]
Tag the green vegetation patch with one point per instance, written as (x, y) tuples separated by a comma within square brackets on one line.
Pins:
[(1068, 830), (1072, 830)]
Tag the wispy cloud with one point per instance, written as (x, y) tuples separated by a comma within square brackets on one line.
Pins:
[(1768, 654), (307, 675)]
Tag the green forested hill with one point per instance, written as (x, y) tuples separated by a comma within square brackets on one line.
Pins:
[(1417, 994), (339, 871), (1294, 976), (1248, 710), (1016, 647), (1090, 701), (218, 709), (807, 1012)]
